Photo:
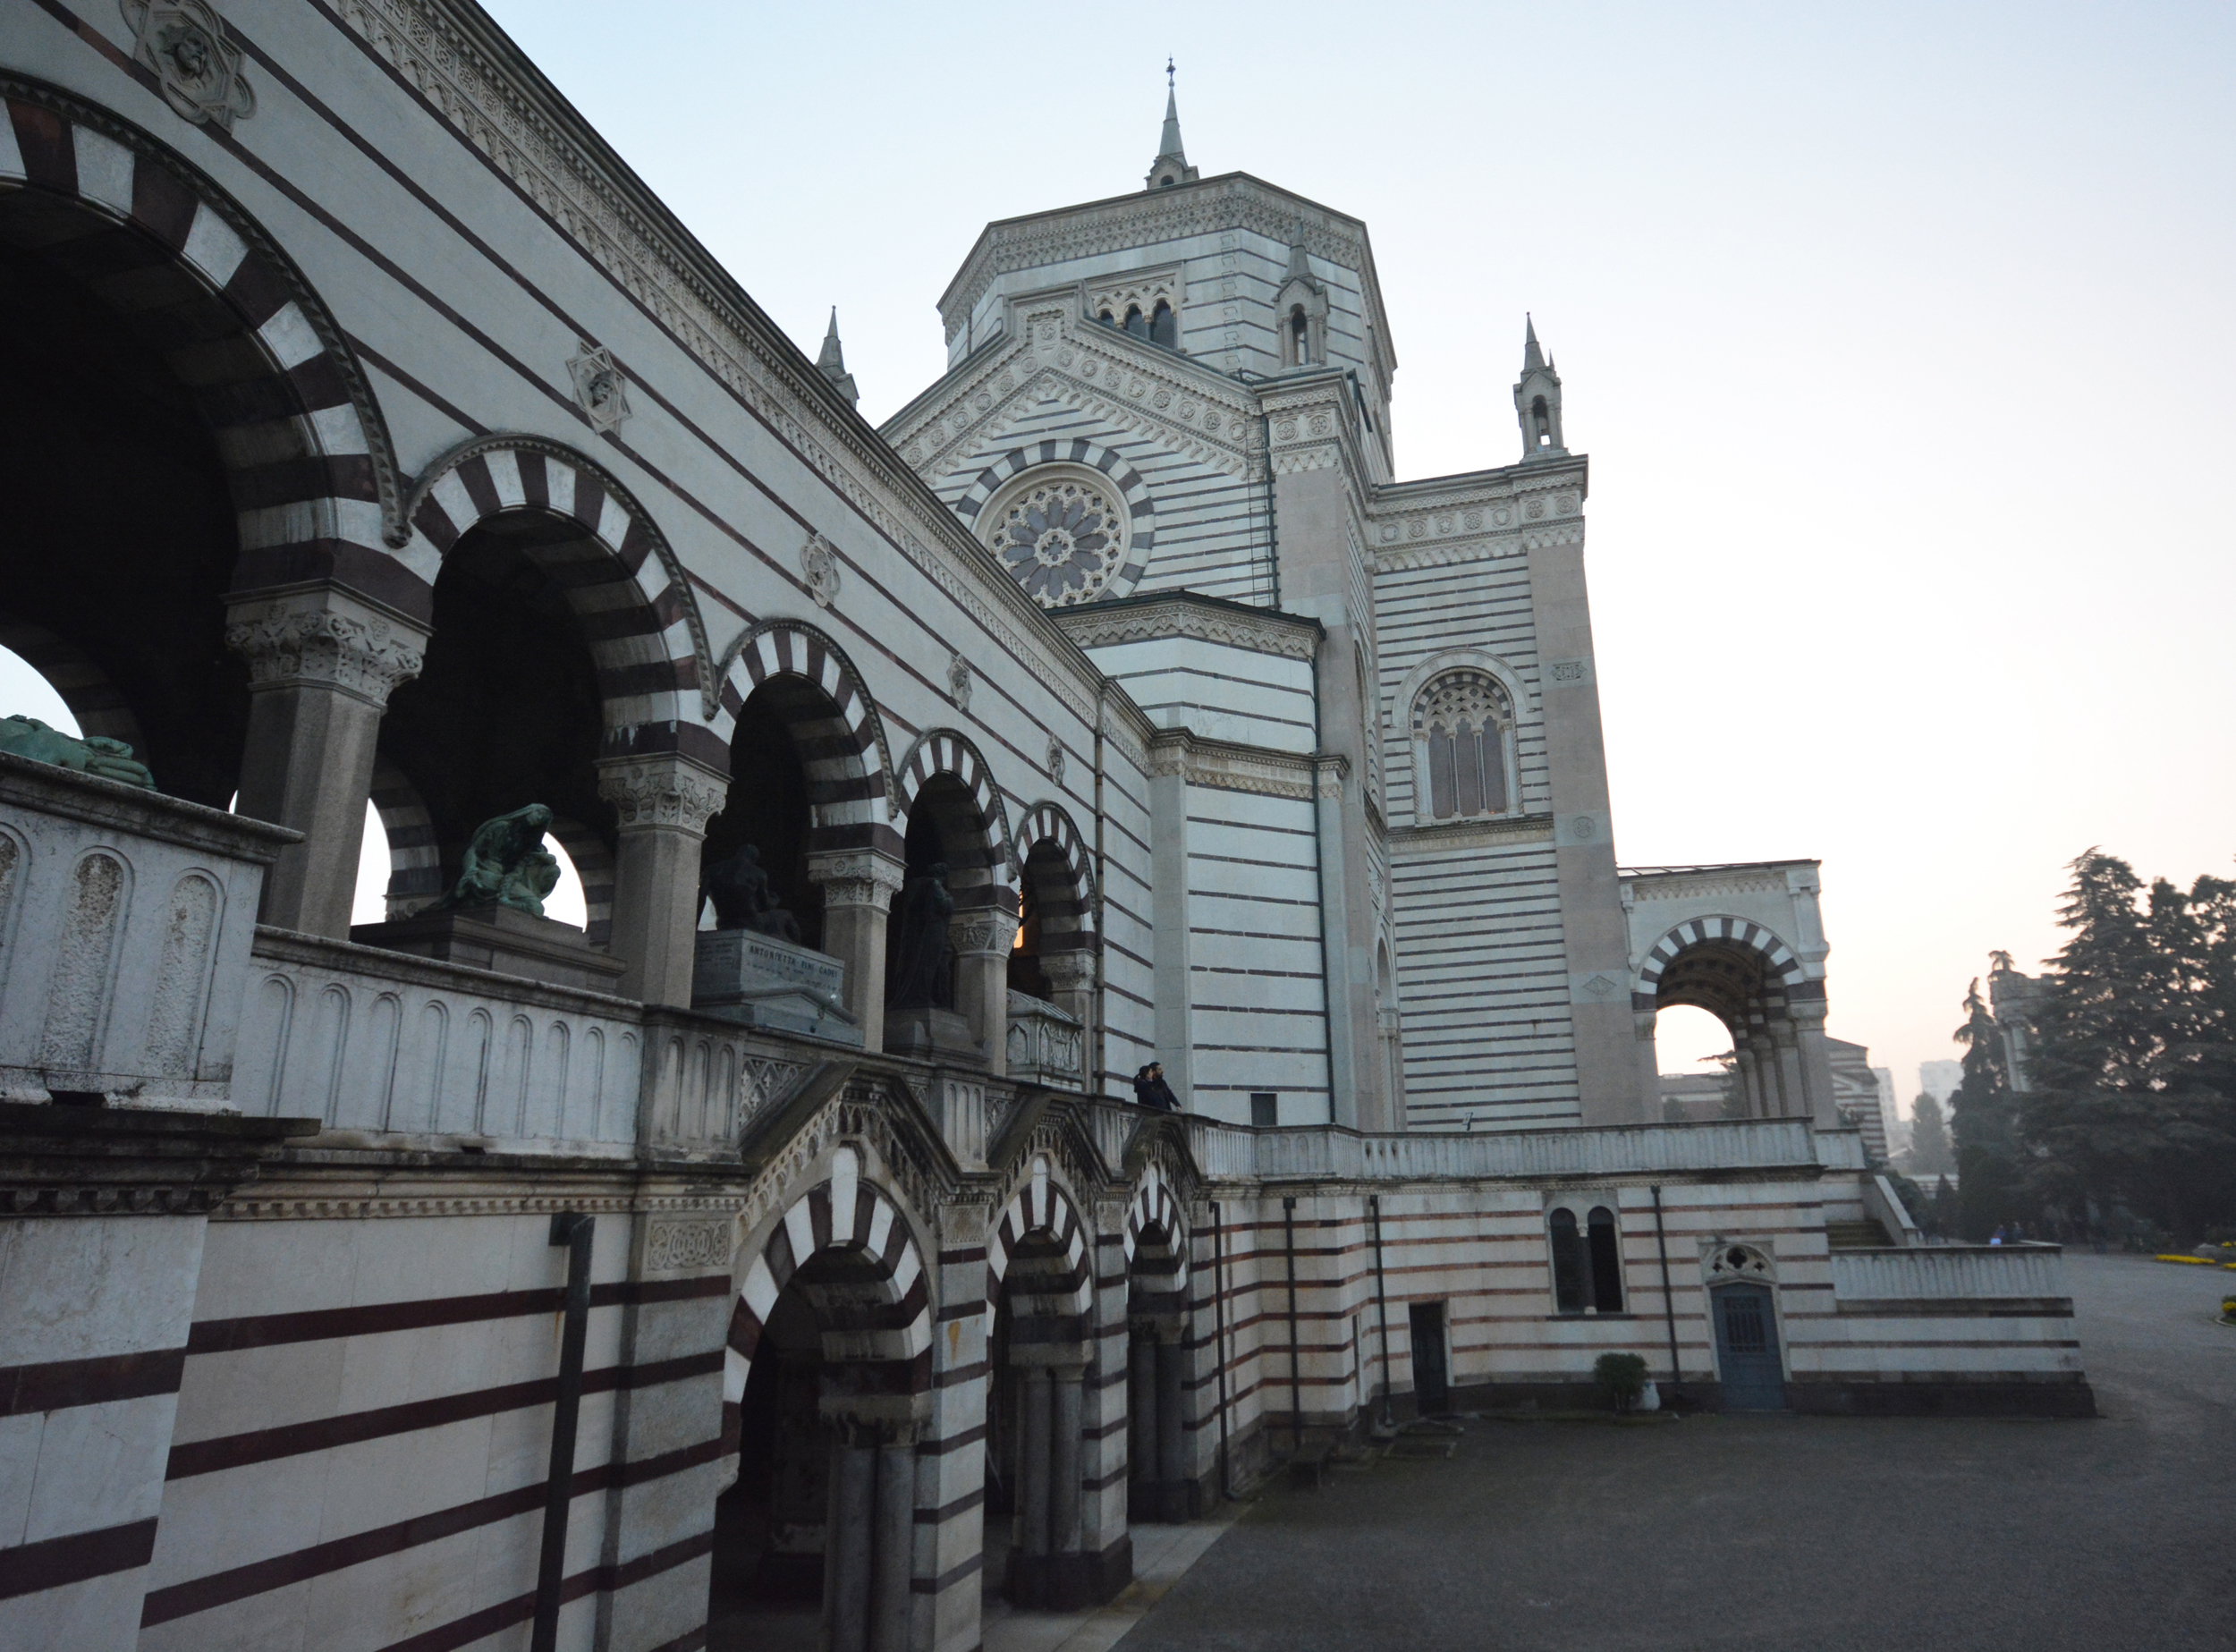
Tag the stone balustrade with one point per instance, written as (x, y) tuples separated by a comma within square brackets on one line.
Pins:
[(1949, 1273), (1046, 1045), (126, 918)]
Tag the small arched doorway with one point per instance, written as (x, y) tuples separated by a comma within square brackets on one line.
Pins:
[(814, 1540), (1159, 1360), (1037, 1546)]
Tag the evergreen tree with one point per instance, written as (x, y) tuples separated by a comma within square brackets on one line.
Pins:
[(2134, 1055), (1929, 1154), (1734, 1092), (1983, 1119)]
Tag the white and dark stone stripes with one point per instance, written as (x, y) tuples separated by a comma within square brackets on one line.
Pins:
[(1067, 917), (834, 725), (979, 867), (1780, 960), (1140, 507), (1041, 1226), (1156, 1238), (619, 576), (878, 1321), (305, 455)]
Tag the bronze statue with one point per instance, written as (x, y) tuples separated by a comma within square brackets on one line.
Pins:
[(506, 865), (923, 975), (740, 889), (95, 754)]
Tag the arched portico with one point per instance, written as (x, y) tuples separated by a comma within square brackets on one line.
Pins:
[(1056, 957), (1745, 976), (1159, 1358), (949, 811), (200, 472), (827, 1387)]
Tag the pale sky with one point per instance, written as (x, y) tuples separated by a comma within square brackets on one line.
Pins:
[(1899, 338)]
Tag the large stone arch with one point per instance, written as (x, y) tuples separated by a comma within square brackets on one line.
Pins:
[(317, 493), (1155, 1209), (1745, 974), (1043, 1210), (848, 760), (850, 1211), (986, 878), (619, 574), (1047, 823)]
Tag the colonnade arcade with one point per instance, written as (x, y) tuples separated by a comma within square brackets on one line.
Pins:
[(215, 557)]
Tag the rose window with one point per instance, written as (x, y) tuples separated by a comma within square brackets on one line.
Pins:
[(1062, 536)]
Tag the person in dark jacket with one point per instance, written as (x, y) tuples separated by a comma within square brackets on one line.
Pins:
[(1151, 1090)]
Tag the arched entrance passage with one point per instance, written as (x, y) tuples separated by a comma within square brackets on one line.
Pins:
[(1747, 978), (179, 422), (1053, 961), (808, 762), (1158, 1355), (562, 671), (950, 815), (826, 1384), (1041, 1296)]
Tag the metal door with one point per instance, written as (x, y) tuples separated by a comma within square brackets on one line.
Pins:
[(1746, 1349), (1432, 1393)]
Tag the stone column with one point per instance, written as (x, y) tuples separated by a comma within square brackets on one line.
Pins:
[(1171, 1434), (663, 804), (982, 940), (848, 1546), (1788, 1047), (1067, 1581), (322, 663), (1815, 1063), (1643, 1023), (1071, 978), (1141, 1428), (1028, 1564), (858, 889), (1749, 1086), (894, 1552)]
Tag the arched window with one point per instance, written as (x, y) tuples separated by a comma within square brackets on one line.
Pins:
[(1586, 1260), (1300, 338), (1165, 327), (1606, 1259), (1542, 417), (1135, 325), (1107, 319), (1461, 758), (1571, 1283)]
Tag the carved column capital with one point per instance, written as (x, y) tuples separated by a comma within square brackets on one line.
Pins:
[(857, 877), (663, 790), (324, 637), (987, 933), (1069, 971)]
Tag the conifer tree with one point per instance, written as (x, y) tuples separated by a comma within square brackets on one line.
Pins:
[(1929, 1154), (1984, 1122), (2134, 1056)]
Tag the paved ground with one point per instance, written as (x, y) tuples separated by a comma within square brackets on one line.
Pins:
[(1816, 1534)]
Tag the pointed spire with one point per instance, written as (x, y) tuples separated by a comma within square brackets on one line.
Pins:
[(1171, 165), (1532, 356), (832, 363), (1299, 269)]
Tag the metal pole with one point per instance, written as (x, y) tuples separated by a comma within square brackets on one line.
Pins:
[(574, 1231), (1381, 1303), (1669, 1306), (1296, 1366), (1219, 1337)]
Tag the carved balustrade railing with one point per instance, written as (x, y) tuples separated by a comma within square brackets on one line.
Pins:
[(1046, 1045)]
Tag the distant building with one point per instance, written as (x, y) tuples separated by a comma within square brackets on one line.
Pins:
[(1699, 1096), (1890, 1110), (1856, 1092), (2013, 998), (1939, 1079)]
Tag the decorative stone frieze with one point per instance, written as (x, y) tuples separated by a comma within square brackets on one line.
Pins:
[(1228, 767), (661, 791), (988, 933), (325, 638), (1260, 633)]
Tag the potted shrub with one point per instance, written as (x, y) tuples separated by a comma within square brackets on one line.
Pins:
[(1621, 1378)]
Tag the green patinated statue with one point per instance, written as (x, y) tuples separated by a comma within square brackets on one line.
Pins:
[(506, 865), (111, 759)]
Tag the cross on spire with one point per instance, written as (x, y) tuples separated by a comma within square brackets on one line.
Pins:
[(1171, 165)]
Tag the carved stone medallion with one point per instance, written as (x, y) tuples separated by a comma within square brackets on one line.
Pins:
[(197, 68), (599, 387)]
